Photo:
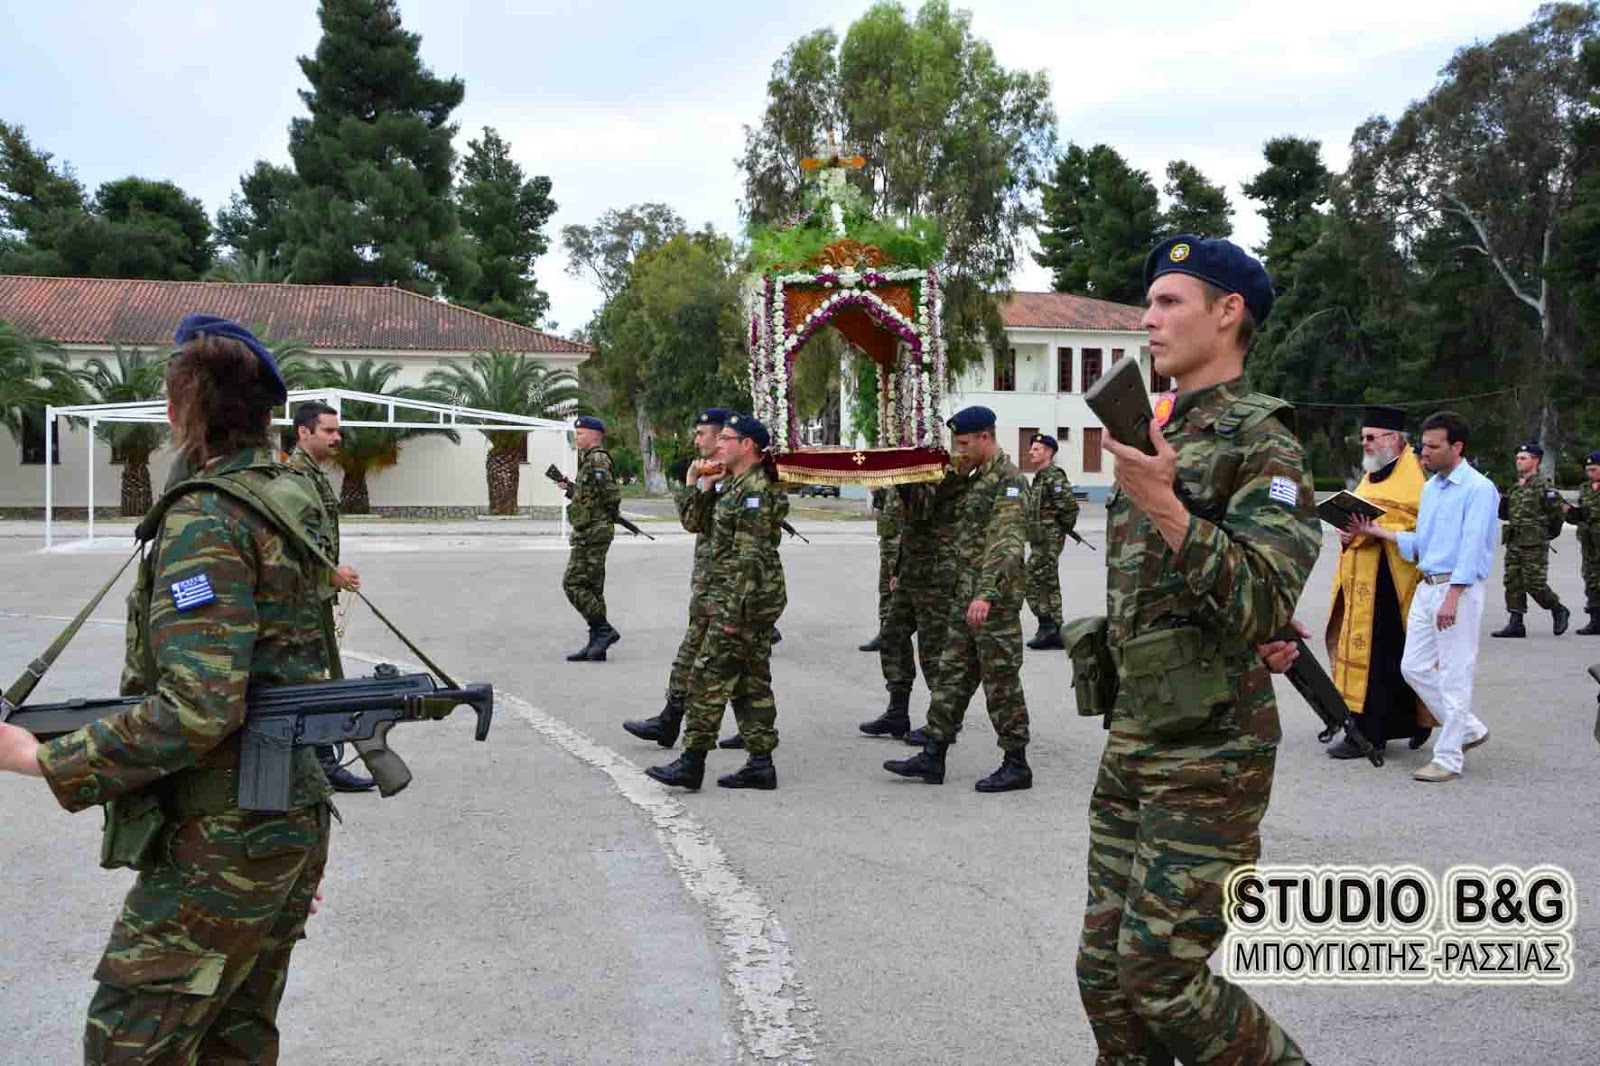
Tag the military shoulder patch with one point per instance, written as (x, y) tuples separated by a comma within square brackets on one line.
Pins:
[(1012, 490), (1284, 491), (192, 592), (751, 503)]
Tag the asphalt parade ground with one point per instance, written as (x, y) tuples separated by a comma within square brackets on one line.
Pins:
[(536, 899)]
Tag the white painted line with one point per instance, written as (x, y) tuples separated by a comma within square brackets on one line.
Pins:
[(774, 1015)]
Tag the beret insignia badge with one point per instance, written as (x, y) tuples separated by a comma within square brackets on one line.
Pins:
[(1179, 253)]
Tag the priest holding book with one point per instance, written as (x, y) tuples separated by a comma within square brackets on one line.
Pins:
[(1372, 594)]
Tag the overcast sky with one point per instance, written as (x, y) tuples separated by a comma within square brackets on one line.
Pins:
[(626, 102)]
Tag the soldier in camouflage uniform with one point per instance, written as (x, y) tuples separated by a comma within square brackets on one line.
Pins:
[(592, 513), (1052, 512), (1208, 546), (316, 427), (1586, 516), (1529, 508), (983, 627), (745, 595), (198, 959), (886, 506), (696, 500)]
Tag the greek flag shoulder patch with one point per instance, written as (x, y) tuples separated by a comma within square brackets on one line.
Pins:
[(192, 592), (1013, 491), (1284, 491), (752, 503)]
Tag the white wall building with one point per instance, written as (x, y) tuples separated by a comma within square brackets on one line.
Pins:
[(1059, 346), (90, 317)]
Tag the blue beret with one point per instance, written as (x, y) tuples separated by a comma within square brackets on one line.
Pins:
[(713, 416), (1222, 263), (194, 326), (1047, 440), (589, 422), (750, 428), (1532, 448), (1594, 457), (971, 420)]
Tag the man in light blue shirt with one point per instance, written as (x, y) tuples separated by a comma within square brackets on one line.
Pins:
[(1453, 547)]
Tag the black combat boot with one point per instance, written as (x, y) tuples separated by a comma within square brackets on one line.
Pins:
[(757, 773), (1049, 635), (777, 637), (1593, 628), (735, 741), (341, 777), (663, 728), (1012, 775), (927, 764), (1559, 617), (1513, 628), (875, 643), (582, 654), (895, 721), (918, 738), (686, 771), (607, 635)]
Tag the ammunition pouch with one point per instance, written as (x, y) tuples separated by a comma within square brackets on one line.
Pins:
[(1175, 680), (133, 825), (1094, 672)]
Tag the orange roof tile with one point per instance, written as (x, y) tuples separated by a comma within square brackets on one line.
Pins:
[(1060, 310)]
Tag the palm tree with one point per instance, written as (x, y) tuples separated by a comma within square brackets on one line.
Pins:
[(33, 373), (367, 451), (136, 376), (516, 385), (236, 268)]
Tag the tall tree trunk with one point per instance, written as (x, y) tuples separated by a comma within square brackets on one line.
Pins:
[(135, 488), (654, 479), (353, 497), (504, 470)]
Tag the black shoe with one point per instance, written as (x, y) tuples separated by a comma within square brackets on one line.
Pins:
[(582, 654), (777, 637), (1049, 636), (757, 773), (1013, 775), (1347, 749), (895, 721), (686, 771), (1593, 628), (1559, 617), (344, 780), (927, 764), (1513, 628), (874, 644), (918, 738), (735, 741), (606, 635), (1419, 738), (663, 728)]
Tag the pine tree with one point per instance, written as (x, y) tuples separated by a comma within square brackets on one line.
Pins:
[(374, 158), (1198, 206), (504, 215), (1100, 218)]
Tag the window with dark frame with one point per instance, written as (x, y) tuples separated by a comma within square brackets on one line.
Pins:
[(1005, 371), (1092, 367), (1063, 369), (1117, 354), (1091, 449), (1159, 382)]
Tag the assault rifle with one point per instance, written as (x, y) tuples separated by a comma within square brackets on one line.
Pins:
[(793, 532), (559, 478), (1074, 535), (1317, 688), (280, 718)]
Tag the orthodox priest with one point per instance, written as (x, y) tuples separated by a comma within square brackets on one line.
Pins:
[(1372, 594)]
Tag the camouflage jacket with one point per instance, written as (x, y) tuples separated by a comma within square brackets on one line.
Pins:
[(1052, 509), (303, 464), (1586, 516), (1526, 508), (1253, 539), (745, 584), (695, 509), (888, 515), (232, 604), (949, 496), (989, 530), (595, 497)]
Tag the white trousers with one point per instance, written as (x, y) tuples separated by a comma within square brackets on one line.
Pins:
[(1438, 665)]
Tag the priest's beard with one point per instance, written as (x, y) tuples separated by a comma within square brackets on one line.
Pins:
[(1374, 463)]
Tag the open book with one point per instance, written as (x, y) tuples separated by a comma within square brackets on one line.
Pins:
[(1337, 510)]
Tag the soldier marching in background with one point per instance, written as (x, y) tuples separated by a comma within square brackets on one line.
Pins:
[(1586, 516), (1533, 513), (1198, 574), (744, 597), (695, 498), (983, 634), (1052, 512), (592, 513), (886, 509)]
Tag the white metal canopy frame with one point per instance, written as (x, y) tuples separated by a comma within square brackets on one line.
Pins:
[(412, 414)]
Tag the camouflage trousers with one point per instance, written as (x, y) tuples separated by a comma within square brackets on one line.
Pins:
[(694, 635), (199, 956), (887, 549), (1528, 574), (914, 609), (732, 668), (584, 581), (1165, 831), (1591, 577), (991, 655), (1044, 578)]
